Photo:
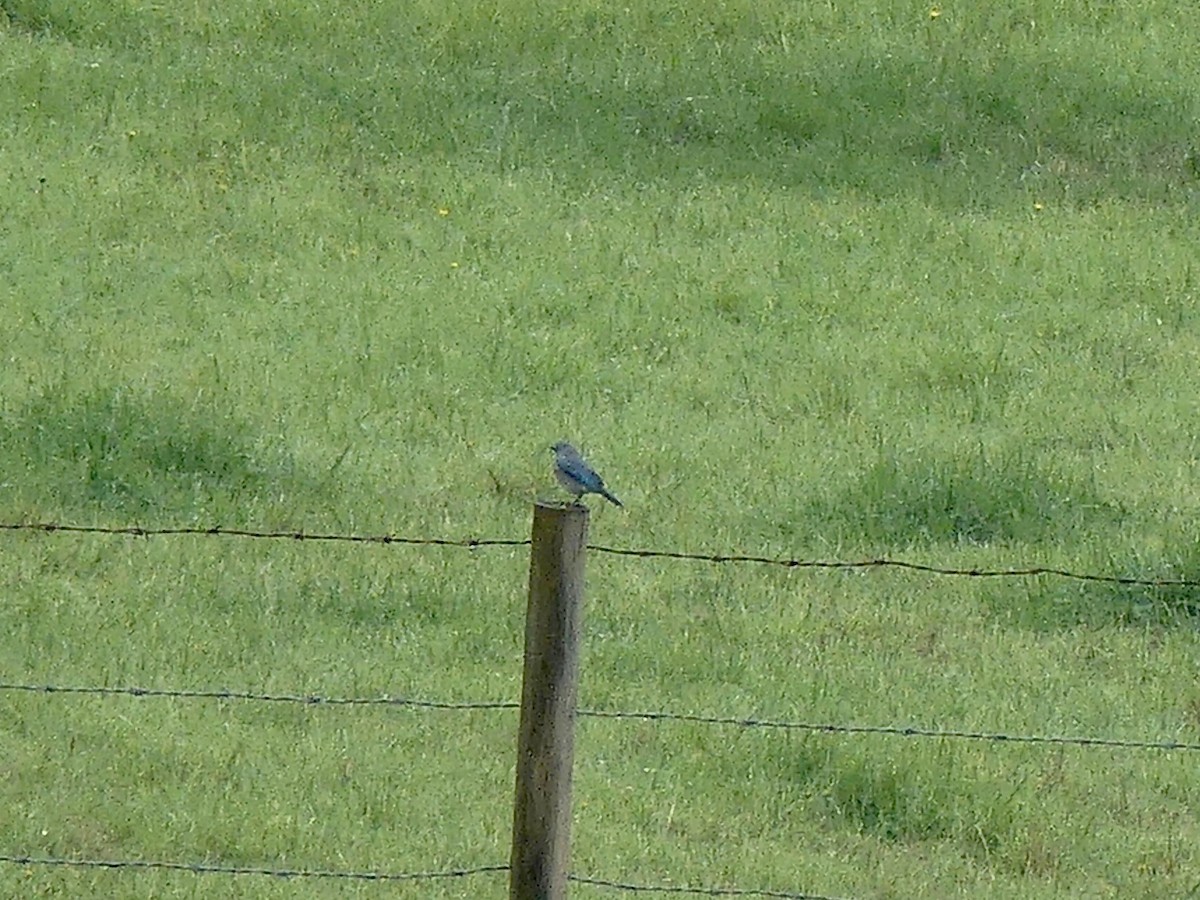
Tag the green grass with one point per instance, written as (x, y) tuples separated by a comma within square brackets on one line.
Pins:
[(804, 280)]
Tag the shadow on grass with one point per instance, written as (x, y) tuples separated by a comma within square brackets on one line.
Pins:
[(979, 498), (961, 118), (904, 795), (138, 455), (961, 131), (1052, 604)]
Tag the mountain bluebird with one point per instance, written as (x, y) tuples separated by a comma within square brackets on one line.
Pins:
[(574, 474)]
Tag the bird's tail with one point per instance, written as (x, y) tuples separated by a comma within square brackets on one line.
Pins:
[(608, 495)]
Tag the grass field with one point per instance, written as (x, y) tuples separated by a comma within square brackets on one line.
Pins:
[(803, 280)]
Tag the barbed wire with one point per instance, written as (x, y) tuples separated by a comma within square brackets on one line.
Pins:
[(294, 535), (652, 716), (884, 562), (304, 699), (716, 558), (215, 869), (647, 716), (897, 731), (702, 891)]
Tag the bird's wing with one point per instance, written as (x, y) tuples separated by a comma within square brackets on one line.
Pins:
[(579, 470)]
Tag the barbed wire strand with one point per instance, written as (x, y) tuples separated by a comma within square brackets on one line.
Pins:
[(898, 731), (305, 699), (702, 891), (884, 562), (214, 869), (648, 716), (217, 531), (475, 543)]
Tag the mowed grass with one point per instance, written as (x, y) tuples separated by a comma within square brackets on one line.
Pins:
[(802, 280)]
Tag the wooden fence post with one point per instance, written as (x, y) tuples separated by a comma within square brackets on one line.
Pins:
[(546, 740)]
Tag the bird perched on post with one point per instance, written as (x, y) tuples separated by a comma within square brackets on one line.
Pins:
[(574, 474)]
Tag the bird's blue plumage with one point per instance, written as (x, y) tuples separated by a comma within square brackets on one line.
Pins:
[(576, 476)]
